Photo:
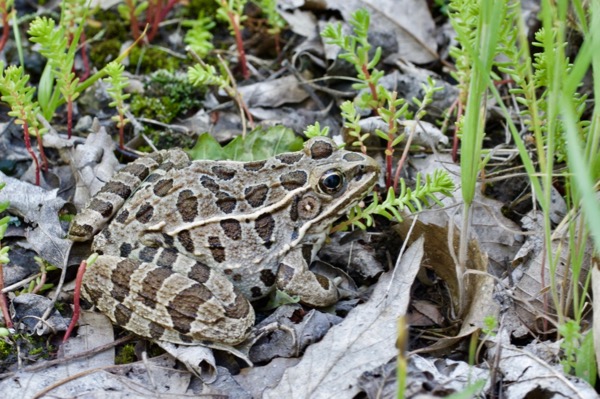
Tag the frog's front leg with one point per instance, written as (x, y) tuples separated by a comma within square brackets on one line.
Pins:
[(119, 188), (294, 278), (185, 302)]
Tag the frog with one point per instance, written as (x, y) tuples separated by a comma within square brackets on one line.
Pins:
[(184, 246)]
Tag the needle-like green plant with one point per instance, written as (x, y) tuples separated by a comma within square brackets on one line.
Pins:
[(198, 37), (73, 15), (414, 200), (232, 11), (130, 11), (202, 74), (117, 83), (19, 96), (316, 131), (5, 10), (356, 50), (54, 46)]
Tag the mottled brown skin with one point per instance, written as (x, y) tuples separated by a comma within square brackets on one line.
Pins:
[(190, 243)]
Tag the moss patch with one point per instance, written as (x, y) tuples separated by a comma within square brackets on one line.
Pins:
[(166, 96)]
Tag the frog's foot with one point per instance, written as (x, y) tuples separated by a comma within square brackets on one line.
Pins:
[(294, 278), (158, 303)]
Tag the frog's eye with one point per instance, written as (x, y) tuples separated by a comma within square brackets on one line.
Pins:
[(331, 181)]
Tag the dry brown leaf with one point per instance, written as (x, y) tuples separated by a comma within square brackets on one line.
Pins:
[(364, 340), (40, 208), (477, 298), (273, 93), (93, 164), (406, 25), (525, 375), (534, 300)]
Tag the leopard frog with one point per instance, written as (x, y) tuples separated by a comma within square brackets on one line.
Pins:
[(185, 245)]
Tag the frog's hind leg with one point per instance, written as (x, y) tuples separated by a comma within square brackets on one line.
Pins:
[(159, 303), (119, 188), (294, 278)]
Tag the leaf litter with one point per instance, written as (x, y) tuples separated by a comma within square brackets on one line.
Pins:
[(353, 354)]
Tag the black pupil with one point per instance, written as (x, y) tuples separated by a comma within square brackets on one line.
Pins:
[(332, 181)]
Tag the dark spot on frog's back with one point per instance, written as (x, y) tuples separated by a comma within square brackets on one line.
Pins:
[(256, 292), (153, 177), (167, 257), (231, 228), (147, 254), (199, 272), (117, 188), (226, 202), (144, 213), (290, 158), (155, 331), (353, 157), (95, 294), (187, 205), (122, 216), (294, 208), (136, 169), (121, 276), (168, 240), (264, 226), (239, 309), (184, 308), (209, 184), (321, 149), (216, 249), (125, 250), (105, 208), (151, 284), (254, 166), (163, 187), (185, 239), (223, 172), (81, 231), (122, 314), (267, 277), (256, 195), (293, 180)]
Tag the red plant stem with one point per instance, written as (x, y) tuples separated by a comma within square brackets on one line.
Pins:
[(455, 139), (69, 117), (31, 153), (3, 302), (84, 59), (156, 13), (239, 43), (76, 300), (152, 18), (365, 71), (133, 23), (40, 144), (5, 29), (167, 8)]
